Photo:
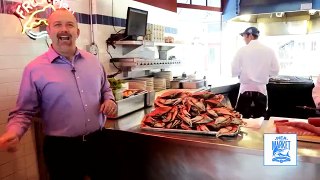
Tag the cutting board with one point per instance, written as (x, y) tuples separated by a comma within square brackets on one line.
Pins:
[(314, 139), (272, 129)]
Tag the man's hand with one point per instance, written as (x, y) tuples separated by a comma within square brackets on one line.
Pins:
[(109, 107), (9, 141)]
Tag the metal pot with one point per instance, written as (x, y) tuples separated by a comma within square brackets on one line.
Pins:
[(175, 84)]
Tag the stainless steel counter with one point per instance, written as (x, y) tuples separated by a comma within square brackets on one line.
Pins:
[(186, 156), (250, 141)]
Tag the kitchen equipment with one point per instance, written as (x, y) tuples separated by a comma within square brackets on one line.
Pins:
[(159, 84), (149, 98), (137, 84), (138, 64), (128, 105), (176, 83), (149, 82), (133, 103), (214, 133), (180, 131), (287, 92), (166, 75), (193, 84), (307, 107)]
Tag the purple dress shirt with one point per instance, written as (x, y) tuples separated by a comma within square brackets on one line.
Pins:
[(68, 95)]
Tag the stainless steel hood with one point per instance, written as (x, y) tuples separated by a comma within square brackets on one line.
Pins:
[(284, 23), (279, 17)]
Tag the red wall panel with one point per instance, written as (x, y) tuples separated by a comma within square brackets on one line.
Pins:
[(170, 5)]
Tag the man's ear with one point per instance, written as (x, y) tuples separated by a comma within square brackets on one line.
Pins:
[(48, 29), (78, 32)]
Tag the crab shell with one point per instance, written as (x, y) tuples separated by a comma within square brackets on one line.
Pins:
[(172, 94), (160, 111), (203, 95)]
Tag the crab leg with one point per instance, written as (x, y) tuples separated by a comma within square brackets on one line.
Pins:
[(185, 119)]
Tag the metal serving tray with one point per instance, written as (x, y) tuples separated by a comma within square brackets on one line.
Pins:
[(180, 131), (213, 133)]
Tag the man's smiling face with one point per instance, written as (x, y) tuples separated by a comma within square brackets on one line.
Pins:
[(63, 31)]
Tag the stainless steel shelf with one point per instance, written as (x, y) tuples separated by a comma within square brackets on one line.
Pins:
[(137, 64), (129, 43), (128, 46), (151, 43), (160, 45)]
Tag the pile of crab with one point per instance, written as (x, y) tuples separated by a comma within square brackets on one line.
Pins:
[(201, 111)]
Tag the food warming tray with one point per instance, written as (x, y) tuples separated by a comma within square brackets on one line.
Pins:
[(133, 103)]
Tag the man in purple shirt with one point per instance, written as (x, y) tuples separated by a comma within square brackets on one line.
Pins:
[(69, 88)]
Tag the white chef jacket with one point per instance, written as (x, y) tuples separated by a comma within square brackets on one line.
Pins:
[(253, 64)]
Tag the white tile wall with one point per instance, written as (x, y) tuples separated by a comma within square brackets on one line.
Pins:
[(3, 116), (10, 75), (7, 102), (81, 6), (3, 90), (84, 38), (16, 50), (10, 62), (13, 88)]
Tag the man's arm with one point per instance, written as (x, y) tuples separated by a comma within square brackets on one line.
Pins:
[(106, 91), (316, 93), (26, 107), (108, 106)]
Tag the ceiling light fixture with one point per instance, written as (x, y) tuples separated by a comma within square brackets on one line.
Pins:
[(245, 17), (279, 14), (312, 11)]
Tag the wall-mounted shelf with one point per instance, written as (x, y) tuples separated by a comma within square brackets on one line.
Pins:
[(128, 46), (138, 64), (160, 45), (129, 43)]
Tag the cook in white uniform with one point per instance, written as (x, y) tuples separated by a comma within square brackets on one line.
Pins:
[(253, 64)]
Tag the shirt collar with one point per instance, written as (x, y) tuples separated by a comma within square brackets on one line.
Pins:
[(53, 55), (253, 41)]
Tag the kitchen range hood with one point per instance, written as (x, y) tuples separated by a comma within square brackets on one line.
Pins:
[(280, 17)]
